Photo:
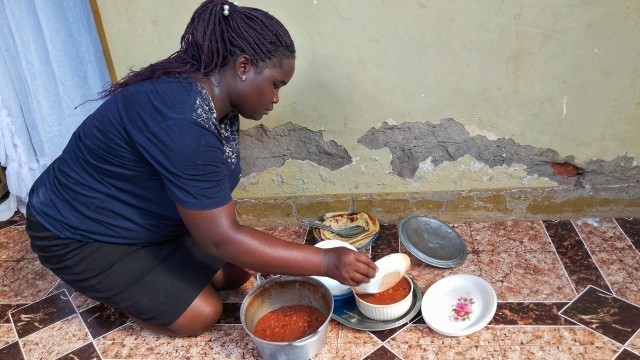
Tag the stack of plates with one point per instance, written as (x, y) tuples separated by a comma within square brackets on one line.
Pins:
[(432, 241), (459, 305)]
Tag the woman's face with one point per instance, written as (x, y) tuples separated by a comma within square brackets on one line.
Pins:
[(258, 93)]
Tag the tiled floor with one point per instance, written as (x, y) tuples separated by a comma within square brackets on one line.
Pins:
[(566, 290)]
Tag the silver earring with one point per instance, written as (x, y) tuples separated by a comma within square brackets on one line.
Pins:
[(244, 77)]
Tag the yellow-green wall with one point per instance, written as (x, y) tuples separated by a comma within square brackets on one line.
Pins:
[(554, 74)]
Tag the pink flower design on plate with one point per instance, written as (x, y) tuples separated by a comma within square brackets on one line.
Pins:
[(462, 309)]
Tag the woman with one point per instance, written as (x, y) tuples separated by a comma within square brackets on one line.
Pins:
[(137, 210)]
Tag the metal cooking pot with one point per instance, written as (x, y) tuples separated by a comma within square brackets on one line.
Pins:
[(280, 291)]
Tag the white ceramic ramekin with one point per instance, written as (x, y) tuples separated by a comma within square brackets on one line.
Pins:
[(386, 312)]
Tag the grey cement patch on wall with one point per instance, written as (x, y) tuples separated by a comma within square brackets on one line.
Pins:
[(261, 148), (413, 142)]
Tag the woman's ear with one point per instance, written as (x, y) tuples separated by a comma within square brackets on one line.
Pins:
[(243, 67)]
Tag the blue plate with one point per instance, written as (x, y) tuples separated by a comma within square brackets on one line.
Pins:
[(343, 296)]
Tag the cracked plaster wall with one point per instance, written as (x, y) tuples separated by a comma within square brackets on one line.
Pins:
[(430, 95)]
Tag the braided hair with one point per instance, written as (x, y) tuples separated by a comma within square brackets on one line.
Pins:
[(218, 32)]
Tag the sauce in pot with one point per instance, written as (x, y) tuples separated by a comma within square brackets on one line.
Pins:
[(289, 323), (390, 296)]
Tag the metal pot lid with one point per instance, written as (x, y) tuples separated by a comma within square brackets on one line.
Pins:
[(432, 241)]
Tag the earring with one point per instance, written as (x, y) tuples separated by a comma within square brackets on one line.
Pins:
[(244, 77)]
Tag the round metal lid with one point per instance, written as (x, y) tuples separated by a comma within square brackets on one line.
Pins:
[(432, 241)]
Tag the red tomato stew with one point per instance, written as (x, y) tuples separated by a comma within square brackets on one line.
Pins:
[(390, 296), (289, 323)]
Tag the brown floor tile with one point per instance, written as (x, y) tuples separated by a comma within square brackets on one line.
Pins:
[(465, 231), (7, 335), (14, 244), (294, 233), (80, 301), (526, 276), (634, 343), (133, 342), (387, 241), (631, 228), (355, 344), (5, 309), (509, 236), (420, 342), (627, 355), (602, 234), (12, 352), (622, 276), (418, 320), (330, 347), (557, 352), (425, 275), (42, 313), (17, 219), (382, 353), (240, 293), (100, 319), (554, 343), (530, 313), (575, 257), (232, 342), (24, 281), (605, 314), (56, 340), (384, 335), (86, 352), (550, 335), (230, 313), (535, 275), (309, 238)]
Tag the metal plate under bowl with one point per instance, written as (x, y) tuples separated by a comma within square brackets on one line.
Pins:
[(432, 241), (345, 311)]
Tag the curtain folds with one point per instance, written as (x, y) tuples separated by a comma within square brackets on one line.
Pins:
[(51, 68)]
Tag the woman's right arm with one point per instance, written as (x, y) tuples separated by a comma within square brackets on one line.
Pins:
[(219, 232)]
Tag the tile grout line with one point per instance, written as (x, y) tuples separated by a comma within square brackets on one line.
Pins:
[(15, 331), (475, 250), (42, 329), (632, 246), (586, 246), (590, 329), (93, 341), (625, 235), (632, 336), (579, 324), (129, 322), (555, 250), (35, 332), (393, 352), (380, 344)]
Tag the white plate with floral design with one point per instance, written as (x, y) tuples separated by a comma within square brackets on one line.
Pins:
[(459, 305)]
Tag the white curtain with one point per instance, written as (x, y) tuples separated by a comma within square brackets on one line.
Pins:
[(51, 62)]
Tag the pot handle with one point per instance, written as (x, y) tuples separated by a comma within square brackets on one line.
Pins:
[(261, 278)]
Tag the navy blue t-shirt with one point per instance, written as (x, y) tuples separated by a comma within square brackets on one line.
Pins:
[(148, 147)]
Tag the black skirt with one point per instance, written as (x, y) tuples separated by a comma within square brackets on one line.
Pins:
[(154, 283)]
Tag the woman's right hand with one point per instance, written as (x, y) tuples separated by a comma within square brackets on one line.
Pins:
[(348, 267)]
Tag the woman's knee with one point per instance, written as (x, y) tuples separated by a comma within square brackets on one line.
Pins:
[(200, 316)]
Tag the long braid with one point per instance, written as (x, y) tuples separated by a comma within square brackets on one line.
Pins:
[(211, 40)]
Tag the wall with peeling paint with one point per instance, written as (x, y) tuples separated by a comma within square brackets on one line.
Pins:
[(419, 96)]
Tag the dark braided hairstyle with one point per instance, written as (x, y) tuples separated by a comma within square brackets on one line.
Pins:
[(212, 39)]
